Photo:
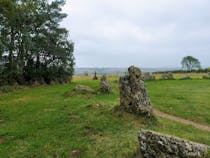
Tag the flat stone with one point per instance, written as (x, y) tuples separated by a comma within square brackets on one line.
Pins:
[(83, 89), (167, 76), (156, 145)]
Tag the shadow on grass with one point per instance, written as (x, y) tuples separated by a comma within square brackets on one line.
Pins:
[(149, 121), (136, 154)]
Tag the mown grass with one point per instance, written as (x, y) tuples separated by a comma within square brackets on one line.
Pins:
[(53, 121), (185, 98)]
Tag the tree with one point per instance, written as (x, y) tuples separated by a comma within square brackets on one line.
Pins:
[(33, 46), (189, 63)]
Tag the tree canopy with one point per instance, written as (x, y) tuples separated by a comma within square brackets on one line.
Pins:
[(33, 46), (189, 63)]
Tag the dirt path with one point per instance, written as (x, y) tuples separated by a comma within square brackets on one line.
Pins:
[(179, 119)]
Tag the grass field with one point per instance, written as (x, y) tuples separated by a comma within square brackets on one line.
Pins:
[(53, 121), (185, 98)]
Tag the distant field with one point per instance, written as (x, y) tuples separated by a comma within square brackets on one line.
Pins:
[(180, 75), (52, 121), (118, 71)]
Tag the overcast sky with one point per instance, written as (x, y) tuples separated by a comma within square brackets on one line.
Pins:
[(145, 33)]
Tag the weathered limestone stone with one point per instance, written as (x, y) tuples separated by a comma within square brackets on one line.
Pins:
[(170, 76), (167, 76), (133, 94), (105, 87), (103, 78), (83, 89), (148, 76), (155, 145), (186, 77), (205, 77)]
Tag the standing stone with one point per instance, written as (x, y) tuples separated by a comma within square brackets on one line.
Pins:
[(105, 87), (103, 78), (95, 76), (133, 94), (163, 77), (170, 76), (148, 76), (167, 76)]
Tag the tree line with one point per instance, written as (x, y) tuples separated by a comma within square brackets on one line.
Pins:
[(33, 46), (189, 64)]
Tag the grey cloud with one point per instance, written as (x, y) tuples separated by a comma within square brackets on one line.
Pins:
[(146, 33)]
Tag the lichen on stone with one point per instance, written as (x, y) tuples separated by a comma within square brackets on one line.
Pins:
[(133, 93)]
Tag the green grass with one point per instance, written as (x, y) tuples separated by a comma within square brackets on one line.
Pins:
[(52, 121), (185, 98)]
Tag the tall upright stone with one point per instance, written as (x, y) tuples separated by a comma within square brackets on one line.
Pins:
[(148, 76), (95, 76), (105, 87), (133, 94)]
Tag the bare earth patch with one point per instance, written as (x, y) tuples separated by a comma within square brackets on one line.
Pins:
[(89, 131), (75, 117), (2, 139), (76, 153), (27, 98), (49, 109)]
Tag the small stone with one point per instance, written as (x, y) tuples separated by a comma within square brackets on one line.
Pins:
[(83, 89), (99, 106), (2, 139)]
